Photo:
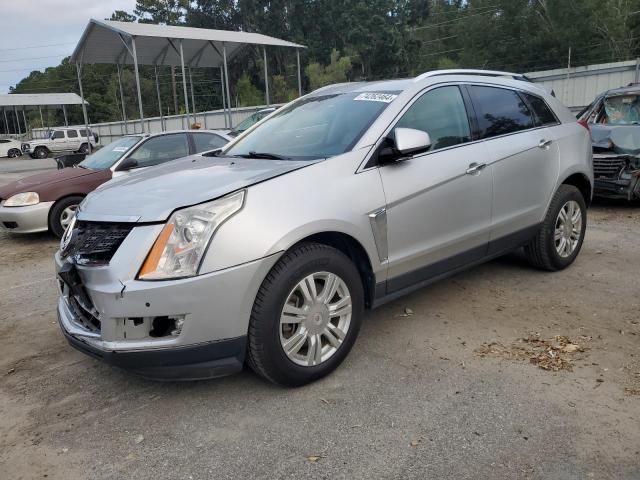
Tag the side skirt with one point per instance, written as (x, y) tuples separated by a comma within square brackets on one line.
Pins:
[(409, 282)]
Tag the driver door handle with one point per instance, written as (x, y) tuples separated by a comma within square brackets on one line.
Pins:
[(544, 143), (475, 168)]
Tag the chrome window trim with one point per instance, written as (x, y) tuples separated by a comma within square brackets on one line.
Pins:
[(362, 168)]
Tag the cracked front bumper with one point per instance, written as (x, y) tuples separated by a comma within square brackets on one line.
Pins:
[(215, 308)]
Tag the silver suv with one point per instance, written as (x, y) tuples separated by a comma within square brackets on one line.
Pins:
[(270, 250)]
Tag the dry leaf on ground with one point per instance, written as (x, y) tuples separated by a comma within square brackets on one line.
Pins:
[(553, 354)]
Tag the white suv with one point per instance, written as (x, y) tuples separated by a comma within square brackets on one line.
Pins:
[(60, 140)]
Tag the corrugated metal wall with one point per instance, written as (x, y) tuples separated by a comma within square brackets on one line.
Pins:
[(582, 85)]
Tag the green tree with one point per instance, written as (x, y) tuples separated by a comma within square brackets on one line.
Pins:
[(335, 72), (168, 12), (247, 93)]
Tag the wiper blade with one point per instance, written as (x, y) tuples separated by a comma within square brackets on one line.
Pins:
[(266, 155)]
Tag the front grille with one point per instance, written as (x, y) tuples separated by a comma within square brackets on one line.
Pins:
[(608, 167), (94, 243), (84, 312)]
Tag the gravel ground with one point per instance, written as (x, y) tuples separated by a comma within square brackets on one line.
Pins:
[(414, 399)]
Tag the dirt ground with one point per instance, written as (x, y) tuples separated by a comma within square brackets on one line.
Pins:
[(439, 384)]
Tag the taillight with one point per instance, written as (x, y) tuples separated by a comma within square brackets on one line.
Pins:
[(584, 124)]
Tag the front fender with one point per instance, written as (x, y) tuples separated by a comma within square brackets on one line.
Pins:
[(278, 213)]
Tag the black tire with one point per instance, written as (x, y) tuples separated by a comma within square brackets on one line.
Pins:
[(40, 152), (13, 153), (55, 225), (84, 148), (265, 354), (541, 250)]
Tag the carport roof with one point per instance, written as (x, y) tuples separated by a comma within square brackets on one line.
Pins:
[(39, 99), (108, 42)]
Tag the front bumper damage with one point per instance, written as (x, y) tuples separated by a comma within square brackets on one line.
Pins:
[(186, 329), (616, 176)]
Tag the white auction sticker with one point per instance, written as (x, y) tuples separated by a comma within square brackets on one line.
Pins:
[(120, 149), (376, 97)]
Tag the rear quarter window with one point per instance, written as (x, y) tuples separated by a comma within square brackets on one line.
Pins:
[(500, 111), (544, 114)]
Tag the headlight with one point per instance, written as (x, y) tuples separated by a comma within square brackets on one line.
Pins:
[(179, 248), (23, 199)]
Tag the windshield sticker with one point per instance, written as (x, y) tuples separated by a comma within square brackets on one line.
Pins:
[(120, 149), (376, 97)]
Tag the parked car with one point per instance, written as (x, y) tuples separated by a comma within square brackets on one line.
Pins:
[(10, 148), (60, 140), (251, 121), (48, 201), (614, 121), (271, 249)]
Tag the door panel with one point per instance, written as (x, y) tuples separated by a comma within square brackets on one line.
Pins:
[(438, 209), (435, 210), (524, 175)]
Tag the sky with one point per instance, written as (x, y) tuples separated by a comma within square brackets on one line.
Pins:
[(52, 27)]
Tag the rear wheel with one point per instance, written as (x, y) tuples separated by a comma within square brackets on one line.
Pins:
[(41, 152), (560, 238), (61, 214), (84, 148), (13, 153), (306, 316)]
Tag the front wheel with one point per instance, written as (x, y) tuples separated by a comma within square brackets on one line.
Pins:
[(41, 152), (306, 315), (14, 152), (61, 214), (560, 238)]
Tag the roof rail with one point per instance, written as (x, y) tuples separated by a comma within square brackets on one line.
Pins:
[(462, 71)]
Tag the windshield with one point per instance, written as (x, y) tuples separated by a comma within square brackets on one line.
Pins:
[(622, 110), (107, 156), (315, 127)]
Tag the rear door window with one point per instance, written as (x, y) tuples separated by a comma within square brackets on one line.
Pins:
[(544, 114), (207, 141), (500, 111), (72, 133), (161, 149), (441, 113)]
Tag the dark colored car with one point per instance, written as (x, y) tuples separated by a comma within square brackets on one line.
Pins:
[(614, 121), (48, 200)]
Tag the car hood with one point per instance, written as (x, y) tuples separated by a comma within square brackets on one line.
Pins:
[(621, 139), (41, 181), (153, 194)]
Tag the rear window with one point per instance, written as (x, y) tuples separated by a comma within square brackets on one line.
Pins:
[(500, 111), (543, 113)]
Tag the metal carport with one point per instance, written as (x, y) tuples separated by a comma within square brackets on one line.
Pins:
[(33, 100), (124, 43)]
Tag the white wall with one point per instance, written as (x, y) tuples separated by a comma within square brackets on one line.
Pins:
[(209, 120), (584, 83)]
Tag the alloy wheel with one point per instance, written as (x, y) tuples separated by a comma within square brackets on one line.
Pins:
[(568, 228), (315, 318), (66, 215)]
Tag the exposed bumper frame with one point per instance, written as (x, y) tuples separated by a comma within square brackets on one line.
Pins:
[(195, 362)]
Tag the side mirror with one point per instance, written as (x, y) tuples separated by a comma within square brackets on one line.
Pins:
[(409, 141), (127, 164), (403, 143)]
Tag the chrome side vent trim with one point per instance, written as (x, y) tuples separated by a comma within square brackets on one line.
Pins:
[(378, 220)]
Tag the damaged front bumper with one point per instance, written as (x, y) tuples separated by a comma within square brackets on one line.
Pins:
[(183, 329), (616, 176)]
